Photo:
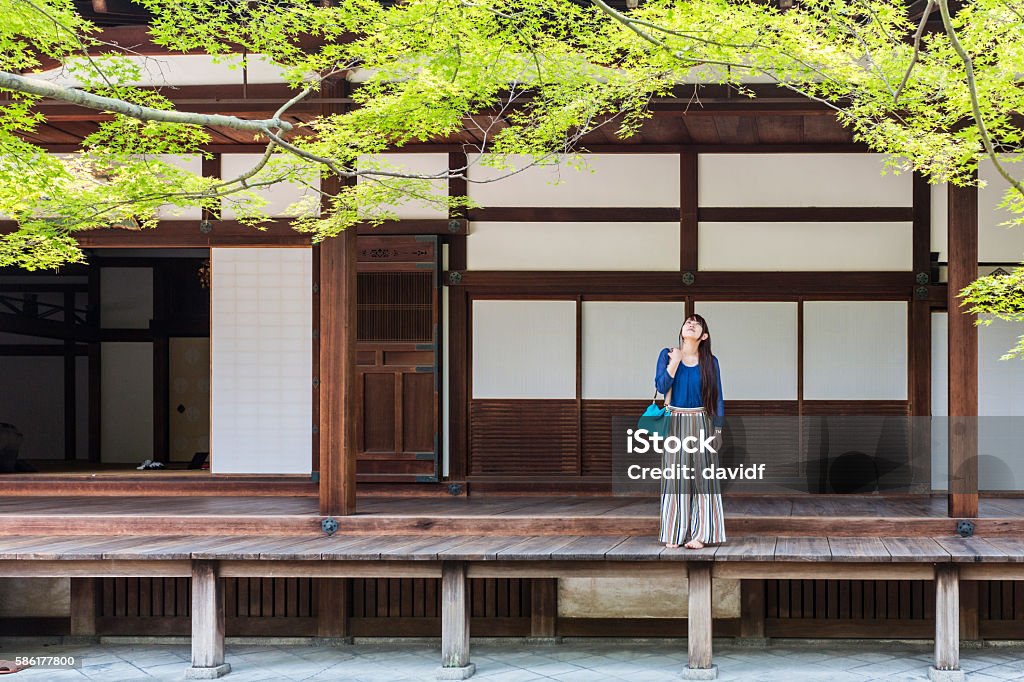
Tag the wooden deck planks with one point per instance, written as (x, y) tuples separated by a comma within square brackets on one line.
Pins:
[(969, 550), (748, 549), (914, 549), (802, 549), (858, 549)]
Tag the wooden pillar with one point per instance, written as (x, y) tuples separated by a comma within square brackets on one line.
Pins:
[(70, 376), (92, 320), (698, 637), (455, 663), (337, 380), (947, 623), (752, 609), (457, 339), (688, 212), (207, 623), (544, 607), (970, 620), (963, 354), (84, 602), (919, 342), (333, 605)]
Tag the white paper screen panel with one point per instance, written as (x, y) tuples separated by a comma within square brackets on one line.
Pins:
[(621, 343), (799, 180), (805, 246), (524, 349), (417, 164), (855, 350), (650, 180), (262, 320), (279, 197), (573, 246), (756, 347), (996, 242)]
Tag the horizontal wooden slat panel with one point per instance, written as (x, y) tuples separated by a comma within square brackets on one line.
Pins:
[(597, 432), (522, 437)]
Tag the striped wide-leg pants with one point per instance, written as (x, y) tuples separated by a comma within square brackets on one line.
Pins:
[(691, 509)]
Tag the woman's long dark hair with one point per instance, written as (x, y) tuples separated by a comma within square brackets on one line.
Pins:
[(708, 372)]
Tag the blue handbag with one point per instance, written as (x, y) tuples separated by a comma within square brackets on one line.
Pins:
[(655, 419)]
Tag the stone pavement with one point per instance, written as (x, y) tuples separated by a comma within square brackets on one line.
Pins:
[(574, 660)]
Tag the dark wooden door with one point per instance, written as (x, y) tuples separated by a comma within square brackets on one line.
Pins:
[(397, 357)]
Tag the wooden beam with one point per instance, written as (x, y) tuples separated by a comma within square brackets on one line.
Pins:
[(962, 229), (575, 214), (207, 623), (333, 608), (752, 609), (688, 211), (698, 636), (455, 663), (544, 607), (84, 605), (806, 214), (947, 618)]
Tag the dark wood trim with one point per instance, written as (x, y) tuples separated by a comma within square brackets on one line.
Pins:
[(457, 340), (211, 169), (30, 350), (769, 285), (187, 234), (970, 622), (580, 214), (314, 390), (579, 385), (689, 178), (806, 214), (106, 485), (415, 226), (962, 233)]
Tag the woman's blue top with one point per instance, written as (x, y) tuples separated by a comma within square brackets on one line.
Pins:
[(686, 385)]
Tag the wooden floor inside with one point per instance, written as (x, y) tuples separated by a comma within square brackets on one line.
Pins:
[(820, 515)]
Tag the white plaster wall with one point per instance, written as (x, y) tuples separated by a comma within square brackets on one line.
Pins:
[(126, 423), (776, 247), (855, 350), (419, 164), (261, 356), (800, 180), (756, 346), (997, 242), (193, 164), (573, 246), (279, 197), (524, 349), (621, 342), (187, 69), (641, 597), (604, 180)]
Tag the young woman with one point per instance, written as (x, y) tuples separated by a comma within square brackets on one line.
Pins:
[(691, 509)]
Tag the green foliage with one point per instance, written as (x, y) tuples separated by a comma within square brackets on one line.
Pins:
[(531, 76)]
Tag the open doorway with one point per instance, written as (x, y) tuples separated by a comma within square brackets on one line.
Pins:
[(106, 366)]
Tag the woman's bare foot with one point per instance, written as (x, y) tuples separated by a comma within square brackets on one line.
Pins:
[(694, 544), (669, 545)]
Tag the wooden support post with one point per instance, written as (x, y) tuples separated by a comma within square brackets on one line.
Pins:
[(84, 602), (752, 609), (455, 663), (207, 623), (698, 637), (333, 605), (92, 320), (544, 607), (963, 354), (970, 621), (947, 624), (337, 379)]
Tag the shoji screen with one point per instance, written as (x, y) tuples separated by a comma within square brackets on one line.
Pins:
[(855, 350), (756, 347), (261, 354)]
